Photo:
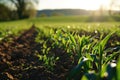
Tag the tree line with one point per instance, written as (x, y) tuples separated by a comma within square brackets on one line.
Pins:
[(17, 9)]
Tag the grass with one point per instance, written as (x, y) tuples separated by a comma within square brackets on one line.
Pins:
[(73, 22)]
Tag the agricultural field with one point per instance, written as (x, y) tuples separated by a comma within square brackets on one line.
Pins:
[(59, 48)]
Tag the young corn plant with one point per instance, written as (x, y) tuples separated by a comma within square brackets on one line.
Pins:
[(45, 55), (70, 42), (5, 33), (93, 63), (61, 39)]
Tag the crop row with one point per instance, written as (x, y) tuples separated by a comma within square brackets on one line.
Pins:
[(91, 57)]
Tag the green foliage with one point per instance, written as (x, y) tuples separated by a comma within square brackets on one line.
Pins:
[(46, 55), (116, 17), (118, 69), (22, 8), (96, 62), (75, 23), (93, 61), (89, 53), (4, 33), (48, 61), (5, 13)]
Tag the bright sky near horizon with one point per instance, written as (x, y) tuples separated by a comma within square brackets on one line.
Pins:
[(73, 4)]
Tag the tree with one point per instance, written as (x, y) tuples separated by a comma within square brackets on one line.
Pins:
[(4, 13), (113, 5), (24, 8)]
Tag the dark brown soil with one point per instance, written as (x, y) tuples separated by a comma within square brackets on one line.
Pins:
[(18, 60)]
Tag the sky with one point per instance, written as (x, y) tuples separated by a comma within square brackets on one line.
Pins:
[(73, 4)]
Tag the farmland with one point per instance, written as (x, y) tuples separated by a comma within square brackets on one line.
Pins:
[(59, 48)]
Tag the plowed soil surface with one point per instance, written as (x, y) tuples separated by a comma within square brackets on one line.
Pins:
[(18, 60)]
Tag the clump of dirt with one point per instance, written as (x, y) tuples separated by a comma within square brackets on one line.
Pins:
[(18, 60)]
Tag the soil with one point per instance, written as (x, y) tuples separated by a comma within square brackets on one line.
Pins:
[(18, 59)]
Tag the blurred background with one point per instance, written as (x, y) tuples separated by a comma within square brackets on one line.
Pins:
[(92, 10)]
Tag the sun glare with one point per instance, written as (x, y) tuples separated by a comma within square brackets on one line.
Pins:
[(74, 4), (92, 4)]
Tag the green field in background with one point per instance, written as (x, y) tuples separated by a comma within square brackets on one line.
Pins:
[(70, 22)]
